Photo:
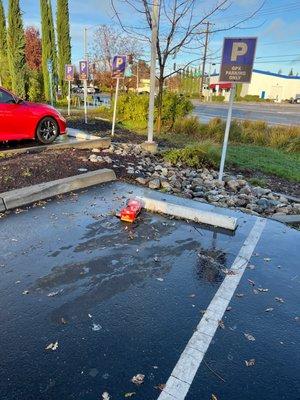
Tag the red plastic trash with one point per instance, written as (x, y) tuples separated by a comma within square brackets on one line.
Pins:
[(131, 211)]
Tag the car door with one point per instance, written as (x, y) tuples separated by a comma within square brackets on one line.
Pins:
[(12, 118)]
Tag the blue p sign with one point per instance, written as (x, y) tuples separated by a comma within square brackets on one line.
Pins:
[(237, 59), (118, 66)]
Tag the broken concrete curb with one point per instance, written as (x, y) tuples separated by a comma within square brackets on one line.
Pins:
[(194, 214), (20, 197)]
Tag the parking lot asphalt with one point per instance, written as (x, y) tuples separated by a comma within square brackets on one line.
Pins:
[(111, 300)]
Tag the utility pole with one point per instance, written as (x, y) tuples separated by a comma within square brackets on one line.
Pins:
[(204, 57), (85, 81), (155, 13)]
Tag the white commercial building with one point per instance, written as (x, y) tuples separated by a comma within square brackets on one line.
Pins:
[(266, 85)]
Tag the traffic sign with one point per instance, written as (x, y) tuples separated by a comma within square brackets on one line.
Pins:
[(83, 70), (69, 72), (49, 66), (237, 59), (118, 66)]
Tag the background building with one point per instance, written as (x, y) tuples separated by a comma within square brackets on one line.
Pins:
[(266, 85)]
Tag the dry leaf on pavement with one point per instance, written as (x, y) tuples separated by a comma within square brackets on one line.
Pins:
[(240, 295), (52, 346), (214, 397), (269, 309), (279, 299), (250, 363), (251, 282), (105, 396), (263, 289), (221, 324), (160, 386), (138, 379), (249, 337), (129, 394)]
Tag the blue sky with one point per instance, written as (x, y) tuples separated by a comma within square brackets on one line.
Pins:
[(276, 26)]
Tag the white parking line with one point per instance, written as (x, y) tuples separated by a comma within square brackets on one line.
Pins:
[(186, 368)]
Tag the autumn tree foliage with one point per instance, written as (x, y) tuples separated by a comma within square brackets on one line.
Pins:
[(33, 48)]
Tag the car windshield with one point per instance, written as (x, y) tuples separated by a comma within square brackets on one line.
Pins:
[(5, 97)]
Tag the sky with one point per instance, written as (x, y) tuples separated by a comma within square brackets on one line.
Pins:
[(276, 25)]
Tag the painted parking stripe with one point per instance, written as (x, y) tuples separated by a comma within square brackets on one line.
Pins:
[(186, 368)]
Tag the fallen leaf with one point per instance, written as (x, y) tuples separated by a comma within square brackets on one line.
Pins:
[(228, 308), (249, 337), (52, 346), (251, 266), (269, 309), (26, 292), (221, 324), (214, 397), (251, 282), (203, 311), (160, 279), (263, 289), (227, 271), (192, 295), (250, 363), (267, 259), (52, 294), (138, 379), (160, 386), (90, 316), (63, 321), (240, 295), (279, 299), (96, 327), (255, 291), (105, 396), (129, 394)]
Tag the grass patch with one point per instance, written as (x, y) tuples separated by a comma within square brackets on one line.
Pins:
[(267, 160)]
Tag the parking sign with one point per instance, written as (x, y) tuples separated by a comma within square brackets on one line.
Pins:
[(69, 72), (237, 60), (118, 66), (83, 70)]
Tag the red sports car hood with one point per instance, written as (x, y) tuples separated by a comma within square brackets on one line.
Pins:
[(39, 105)]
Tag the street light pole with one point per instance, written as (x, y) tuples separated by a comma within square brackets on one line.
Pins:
[(155, 13), (85, 81)]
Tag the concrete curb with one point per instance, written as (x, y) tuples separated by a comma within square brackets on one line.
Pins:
[(99, 143), (205, 217), (21, 197), (291, 219), (80, 134)]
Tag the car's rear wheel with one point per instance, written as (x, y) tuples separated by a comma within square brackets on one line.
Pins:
[(47, 130)]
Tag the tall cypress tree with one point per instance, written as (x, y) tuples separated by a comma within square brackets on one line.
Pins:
[(48, 45), (16, 48), (63, 40), (4, 72)]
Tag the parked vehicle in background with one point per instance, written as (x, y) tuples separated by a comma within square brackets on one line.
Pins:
[(296, 99), (21, 119)]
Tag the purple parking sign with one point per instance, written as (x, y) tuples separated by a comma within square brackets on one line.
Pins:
[(118, 66), (83, 70), (237, 59), (69, 72)]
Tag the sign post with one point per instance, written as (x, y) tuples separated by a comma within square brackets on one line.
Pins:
[(83, 76), (118, 70), (69, 77), (236, 67), (50, 71)]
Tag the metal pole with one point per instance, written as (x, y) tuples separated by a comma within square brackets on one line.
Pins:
[(204, 59), (137, 76), (155, 12), (69, 98), (115, 108), (227, 129), (85, 81), (51, 88)]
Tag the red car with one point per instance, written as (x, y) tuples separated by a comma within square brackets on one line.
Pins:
[(21, 119)]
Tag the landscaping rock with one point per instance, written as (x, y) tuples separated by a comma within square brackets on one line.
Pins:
[(154, 184)]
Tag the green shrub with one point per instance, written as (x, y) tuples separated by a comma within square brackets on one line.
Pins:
[(34, 86), (187, 126), (218, 99), (203, 154), (175, 106), (251, 97), (134, 108)]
